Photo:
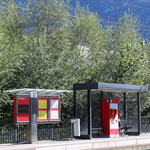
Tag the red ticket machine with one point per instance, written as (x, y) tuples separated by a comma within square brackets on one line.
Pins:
[(21, 109), (110, 119)]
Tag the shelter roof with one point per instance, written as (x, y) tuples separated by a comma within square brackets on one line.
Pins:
[(45, 92), (110, 87)]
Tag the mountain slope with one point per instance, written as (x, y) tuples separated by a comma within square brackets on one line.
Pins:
[(112, 10)]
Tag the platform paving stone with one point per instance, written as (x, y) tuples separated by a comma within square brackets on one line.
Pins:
[(141, 142)]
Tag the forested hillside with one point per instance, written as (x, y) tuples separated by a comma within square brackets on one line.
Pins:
[(111, 10), (49, 44)]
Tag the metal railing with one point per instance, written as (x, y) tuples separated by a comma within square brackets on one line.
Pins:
[(54, 132), (11, 133)]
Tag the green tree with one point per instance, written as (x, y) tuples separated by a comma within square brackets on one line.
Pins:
[(126, 53), (48, 44)]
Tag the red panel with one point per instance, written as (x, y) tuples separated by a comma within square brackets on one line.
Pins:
[(23, 101), (23, 117), (55, 109), (114, 101), (14, 109), (114, 131), (105, 117)]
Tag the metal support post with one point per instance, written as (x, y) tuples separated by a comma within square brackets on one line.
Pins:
[(89, 114), (33, 119), (125, 106), (75, 104), (139, 112), (32, 127), (101, 97)]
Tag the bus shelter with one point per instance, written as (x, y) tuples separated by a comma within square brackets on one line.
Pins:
[(107, 87), (36, 106)]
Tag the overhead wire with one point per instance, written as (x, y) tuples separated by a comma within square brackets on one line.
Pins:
[(109, 20), (143, 29), (145, 1), (120, 3)]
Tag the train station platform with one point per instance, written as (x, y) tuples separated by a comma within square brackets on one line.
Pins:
[(141, 142)]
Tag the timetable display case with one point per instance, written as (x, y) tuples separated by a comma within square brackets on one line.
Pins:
[(47, 109)]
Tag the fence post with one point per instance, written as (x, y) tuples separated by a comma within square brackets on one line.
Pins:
[(139, 112), (15, 140), (52, 134)]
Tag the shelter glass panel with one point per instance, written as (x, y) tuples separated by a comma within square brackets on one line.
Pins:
[(82, 111), (132, 112), (96, 110)]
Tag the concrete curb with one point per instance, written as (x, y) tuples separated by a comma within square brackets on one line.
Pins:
[(125, 143)]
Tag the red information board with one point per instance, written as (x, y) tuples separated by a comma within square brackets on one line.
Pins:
[(22, 109), (47, 109), (54, 109)]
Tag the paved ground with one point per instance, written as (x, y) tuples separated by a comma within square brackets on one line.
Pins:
[(141, 142)]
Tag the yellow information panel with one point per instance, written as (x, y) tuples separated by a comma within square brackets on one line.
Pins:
[(42, 115), (42, 104)]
